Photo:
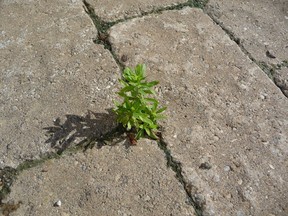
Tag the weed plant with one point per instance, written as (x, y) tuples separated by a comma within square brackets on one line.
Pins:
[(138, 112)]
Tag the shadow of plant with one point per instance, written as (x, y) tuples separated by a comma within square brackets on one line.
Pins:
[(85, 131)]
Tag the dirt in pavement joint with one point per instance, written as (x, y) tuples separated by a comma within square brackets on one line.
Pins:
[(268, 69)]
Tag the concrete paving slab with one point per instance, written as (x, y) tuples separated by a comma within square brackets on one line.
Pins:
[(227, 121), (50, 68), (262, 27), (108, 181), (112, 10)]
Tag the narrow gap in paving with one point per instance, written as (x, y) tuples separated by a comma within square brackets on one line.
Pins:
[(103, 38), (177, 168), (9, 174), (269, 70), (103, 27)]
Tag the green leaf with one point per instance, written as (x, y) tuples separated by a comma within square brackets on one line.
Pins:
[(151, 84), (140, 134), (129, 126), (149, 91), (153, 100), (161, 110), (145, 119), (140, 70), (126, 89), (138, 111), (148, 131)]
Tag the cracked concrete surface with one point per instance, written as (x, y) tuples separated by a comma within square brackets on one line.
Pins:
[(225, 138), (262, 28), (222, 110), (50, 70), (112, 11), (132, 181)]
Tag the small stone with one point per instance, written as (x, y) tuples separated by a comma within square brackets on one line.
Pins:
[(227, 168), (240, 181), (216, 138), (216, 178), (124, 58), (205, 165), (147, 198), (228, 196), (58, 203)]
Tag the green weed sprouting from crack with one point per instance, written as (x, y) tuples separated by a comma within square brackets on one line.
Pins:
[(138, 112)]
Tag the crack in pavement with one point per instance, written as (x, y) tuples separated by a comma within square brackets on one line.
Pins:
[(8, 174), (268, 69), (177, 168), (103, 27), (103, 38)]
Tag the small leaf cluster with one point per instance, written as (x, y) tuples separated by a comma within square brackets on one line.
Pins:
[(139, 111)]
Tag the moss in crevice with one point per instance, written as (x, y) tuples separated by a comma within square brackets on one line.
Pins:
[(102, 29), (198, 3), (283, 64), (269, 70), (7, 176)]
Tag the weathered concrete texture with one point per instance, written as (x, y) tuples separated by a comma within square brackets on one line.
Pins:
[(114, 10), (261, 26), (107, 181), (50, 68), (281, 78), (227, 121)]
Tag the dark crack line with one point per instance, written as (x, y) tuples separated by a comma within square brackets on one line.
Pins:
[(177, 168), (269, 70), (103, 38), (103, 26), (8, 174)]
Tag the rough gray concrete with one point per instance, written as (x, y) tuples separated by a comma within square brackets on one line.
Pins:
[(50, 68), (107, 181), (227, 121), (262, 27), (112, 10)]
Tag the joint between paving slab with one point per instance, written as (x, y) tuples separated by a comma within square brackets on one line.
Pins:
[(103, 26), (268, 69), (8, 174), (177, 168)]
